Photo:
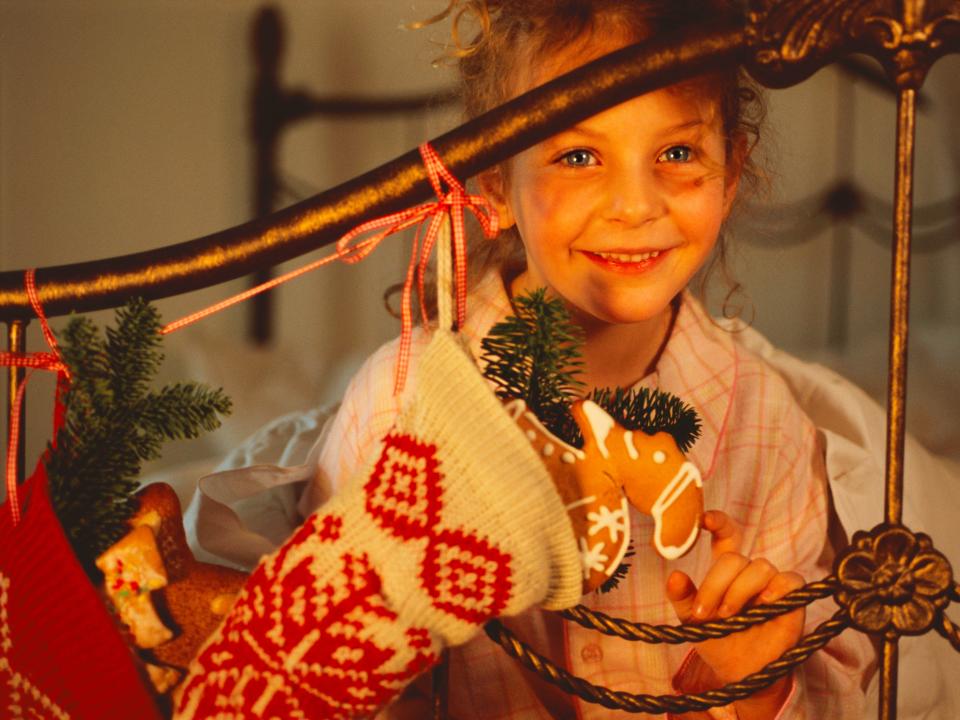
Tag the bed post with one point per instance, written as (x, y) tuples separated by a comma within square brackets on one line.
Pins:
[(268, 118), (897, 385)]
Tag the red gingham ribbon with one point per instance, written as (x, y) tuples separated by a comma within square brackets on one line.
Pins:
[(454, 201), (35, 361)]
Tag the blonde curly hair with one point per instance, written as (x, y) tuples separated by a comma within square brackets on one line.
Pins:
[(490, 39)]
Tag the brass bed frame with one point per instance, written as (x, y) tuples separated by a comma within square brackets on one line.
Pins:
[(780, 42)]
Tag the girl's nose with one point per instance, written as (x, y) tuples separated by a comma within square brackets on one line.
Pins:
[(634, 197)]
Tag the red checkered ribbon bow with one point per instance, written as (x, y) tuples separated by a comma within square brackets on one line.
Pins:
[(359, 243), (51, 361)]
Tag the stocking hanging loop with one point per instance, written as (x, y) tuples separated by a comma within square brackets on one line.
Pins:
[(51, 361)]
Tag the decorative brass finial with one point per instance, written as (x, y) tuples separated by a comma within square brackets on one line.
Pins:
[(893, 582), (791, 40)]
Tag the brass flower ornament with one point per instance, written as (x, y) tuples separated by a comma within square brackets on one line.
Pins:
[(893, 582)]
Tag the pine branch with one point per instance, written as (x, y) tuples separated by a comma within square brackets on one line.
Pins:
[(535, 356), (114, 423), (651, 411), (182, 411), (133, 350)]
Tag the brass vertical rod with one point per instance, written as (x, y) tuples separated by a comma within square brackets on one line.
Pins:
[(900, 305), (16, 342), (888, 680)]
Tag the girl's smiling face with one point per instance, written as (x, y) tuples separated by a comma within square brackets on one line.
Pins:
[(617, 213)]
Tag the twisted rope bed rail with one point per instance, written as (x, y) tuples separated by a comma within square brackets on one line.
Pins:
[(659, 704), (894, 558), (677, 634), (654, 634)]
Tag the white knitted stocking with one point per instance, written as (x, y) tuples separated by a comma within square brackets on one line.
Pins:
[(454, 522)]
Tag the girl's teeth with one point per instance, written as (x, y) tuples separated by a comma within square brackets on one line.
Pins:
[(629, 257)]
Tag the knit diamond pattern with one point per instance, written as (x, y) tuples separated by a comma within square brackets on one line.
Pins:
[(403, 492), (314, 635), (454, 521)]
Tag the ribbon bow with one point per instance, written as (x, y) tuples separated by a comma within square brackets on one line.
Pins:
[(454, 202), (351, 250), (51, 361)]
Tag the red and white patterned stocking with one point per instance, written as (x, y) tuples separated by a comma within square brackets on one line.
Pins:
[(455, 521)]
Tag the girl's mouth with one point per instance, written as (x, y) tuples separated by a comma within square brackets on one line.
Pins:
[(627, 262)]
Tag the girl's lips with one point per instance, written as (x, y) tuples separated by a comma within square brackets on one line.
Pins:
[(627, 262)]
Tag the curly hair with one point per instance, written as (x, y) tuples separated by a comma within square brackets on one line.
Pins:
[(491, 38)]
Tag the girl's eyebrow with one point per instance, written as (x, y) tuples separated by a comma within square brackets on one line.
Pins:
[(684, 125), (582, 129)]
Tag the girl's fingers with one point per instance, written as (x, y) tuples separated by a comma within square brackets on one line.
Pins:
[(727, 533), (780, 585), (682, 592), (754, 579), (719, 577)]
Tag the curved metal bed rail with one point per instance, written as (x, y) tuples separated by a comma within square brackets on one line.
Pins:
[(320, 220)]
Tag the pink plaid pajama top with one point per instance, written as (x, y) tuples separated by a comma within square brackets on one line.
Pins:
[(762, 464)]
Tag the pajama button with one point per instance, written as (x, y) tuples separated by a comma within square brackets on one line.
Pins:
[(591, 653)]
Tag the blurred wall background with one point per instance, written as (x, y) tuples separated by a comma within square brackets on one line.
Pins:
[(124, 127)]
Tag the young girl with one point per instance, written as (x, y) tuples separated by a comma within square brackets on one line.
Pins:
[(614, 216)]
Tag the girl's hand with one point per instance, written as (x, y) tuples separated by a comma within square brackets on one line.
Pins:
[(732, 583)]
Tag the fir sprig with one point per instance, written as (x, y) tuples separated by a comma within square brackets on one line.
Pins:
[(114, 422), (651, 411), (535, 355)]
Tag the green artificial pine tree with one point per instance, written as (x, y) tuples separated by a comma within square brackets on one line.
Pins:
[(114, 422)]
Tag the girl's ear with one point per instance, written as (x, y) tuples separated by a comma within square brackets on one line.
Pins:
[(494, 188)]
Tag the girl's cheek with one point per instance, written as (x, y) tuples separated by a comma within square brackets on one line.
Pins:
[(548, 197)]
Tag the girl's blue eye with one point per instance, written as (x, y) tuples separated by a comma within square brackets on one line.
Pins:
[(578, 158), (677, 154)]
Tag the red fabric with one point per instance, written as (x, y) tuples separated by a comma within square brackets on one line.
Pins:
[(61, 656), (297, 642), (403, 491)]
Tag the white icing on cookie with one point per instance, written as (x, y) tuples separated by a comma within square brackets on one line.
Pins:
[(600, 425), (687, 474)]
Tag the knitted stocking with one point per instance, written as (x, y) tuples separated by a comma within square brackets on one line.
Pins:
[(455, 522)]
